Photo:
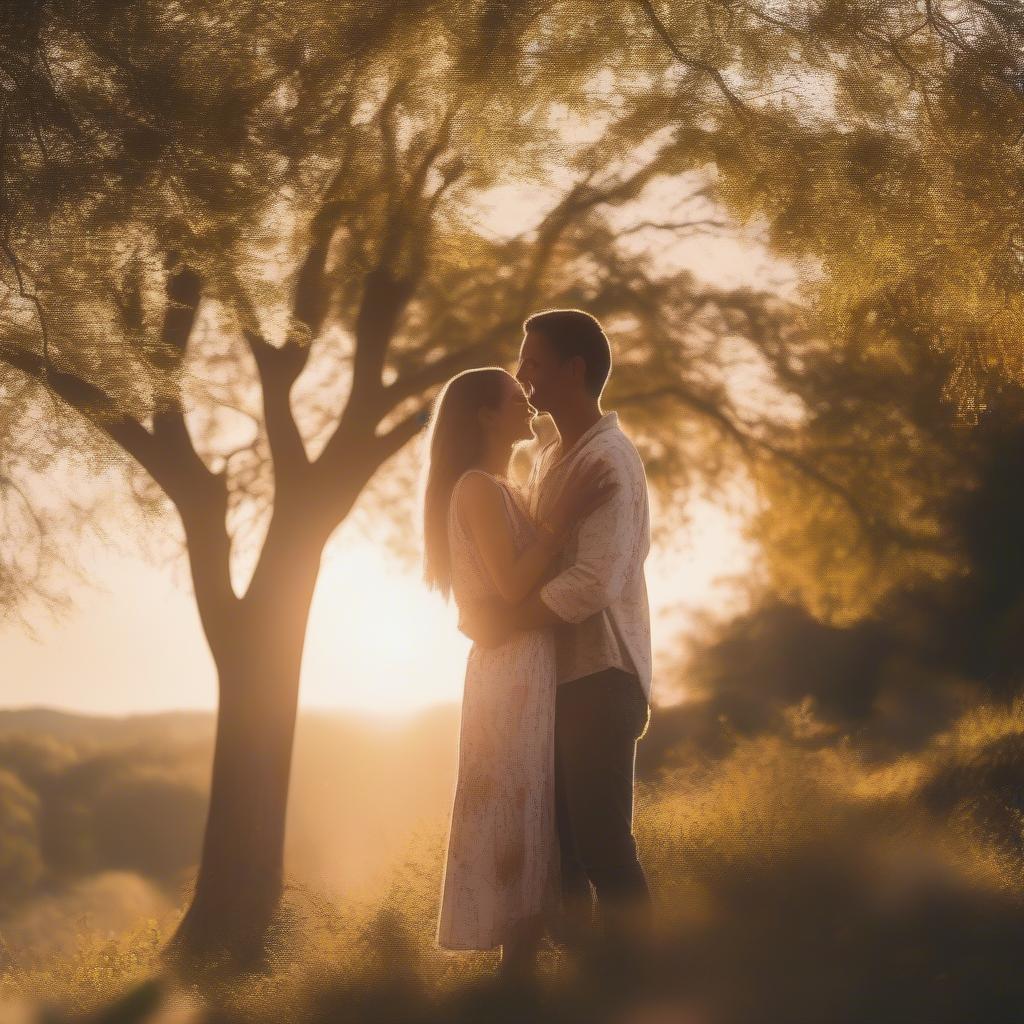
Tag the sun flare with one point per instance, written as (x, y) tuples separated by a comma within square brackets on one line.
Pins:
[(378, 641)]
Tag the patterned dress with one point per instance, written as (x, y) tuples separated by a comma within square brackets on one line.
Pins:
[(502, 860)]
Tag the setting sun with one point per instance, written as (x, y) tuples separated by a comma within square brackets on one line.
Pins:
[(377, 640)]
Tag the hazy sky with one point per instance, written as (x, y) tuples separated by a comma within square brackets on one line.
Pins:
[(377, 640)]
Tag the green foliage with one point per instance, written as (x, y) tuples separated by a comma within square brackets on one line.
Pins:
[(880, 143), (69, 813), (877, 426), (320, 177)]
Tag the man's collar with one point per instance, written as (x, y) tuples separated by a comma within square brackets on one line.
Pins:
[(608, 421)]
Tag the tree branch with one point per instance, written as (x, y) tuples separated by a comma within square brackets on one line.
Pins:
[(738, 106), (433, 151), (384, 299), (170, 459), (278, 370), (7, 246), (581, 199), (415, 382), (389, 444), (184, 291), (97, 407), (170, 432), (694, 226), (705, 406), (750, 444)]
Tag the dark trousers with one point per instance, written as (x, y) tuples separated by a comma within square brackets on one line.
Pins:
[(598, 720)]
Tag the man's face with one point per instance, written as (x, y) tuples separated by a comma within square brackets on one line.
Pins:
[(540, 372)]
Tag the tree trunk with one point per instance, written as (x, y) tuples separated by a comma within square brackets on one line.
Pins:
[(259, 657)]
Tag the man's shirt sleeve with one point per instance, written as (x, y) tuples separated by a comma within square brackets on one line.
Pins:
[(609, 544)]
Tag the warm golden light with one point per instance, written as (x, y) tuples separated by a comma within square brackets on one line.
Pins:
[(378, 641)]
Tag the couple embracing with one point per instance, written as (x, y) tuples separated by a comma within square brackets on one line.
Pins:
[(550, 586)]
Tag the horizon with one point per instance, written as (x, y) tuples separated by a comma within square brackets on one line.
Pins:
[(131, 642)]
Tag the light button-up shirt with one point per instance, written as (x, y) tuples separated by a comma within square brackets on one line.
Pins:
[(600, 591)]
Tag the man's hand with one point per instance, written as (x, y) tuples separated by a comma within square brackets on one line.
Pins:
[(487, 623)]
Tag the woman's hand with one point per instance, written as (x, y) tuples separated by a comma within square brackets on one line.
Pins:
[(586, 490)]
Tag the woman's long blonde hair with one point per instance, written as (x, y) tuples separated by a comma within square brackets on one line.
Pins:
[(455, 444)]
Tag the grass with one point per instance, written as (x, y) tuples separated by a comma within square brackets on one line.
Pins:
[(793, 885)]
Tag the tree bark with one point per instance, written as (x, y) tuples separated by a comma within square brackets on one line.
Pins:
[(258, 652)]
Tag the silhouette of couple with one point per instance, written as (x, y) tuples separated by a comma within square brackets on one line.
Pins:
[(549, 584)]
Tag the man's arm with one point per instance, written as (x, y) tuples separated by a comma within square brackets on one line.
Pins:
[(609, 544), (492, 623)]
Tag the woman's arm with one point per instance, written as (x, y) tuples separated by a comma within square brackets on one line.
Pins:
[(482, 506)]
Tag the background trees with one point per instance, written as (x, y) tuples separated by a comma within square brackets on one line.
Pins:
[(244, 244), (878, 145), (242, 287)]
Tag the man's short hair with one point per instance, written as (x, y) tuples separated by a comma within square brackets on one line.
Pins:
[(571, 333)]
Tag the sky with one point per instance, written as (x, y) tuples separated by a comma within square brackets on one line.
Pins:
[(378, 642)]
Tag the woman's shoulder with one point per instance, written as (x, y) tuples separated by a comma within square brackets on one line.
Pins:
[(480, 501), (478, 488)]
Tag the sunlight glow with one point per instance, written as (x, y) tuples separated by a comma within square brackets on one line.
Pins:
[(378, 643), (378, 640)]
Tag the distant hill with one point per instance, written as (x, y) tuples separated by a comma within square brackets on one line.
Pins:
[(73, 727), (361, 785), (190, 726)]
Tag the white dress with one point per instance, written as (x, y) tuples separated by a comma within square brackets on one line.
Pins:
[(502, 860)]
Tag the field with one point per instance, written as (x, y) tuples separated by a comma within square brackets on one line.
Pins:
[(794, 883)]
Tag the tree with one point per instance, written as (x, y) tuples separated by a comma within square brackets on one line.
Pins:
[(120, 140), (282, 255), (878, 146), (878, 142), (278, 247), (100, 135)]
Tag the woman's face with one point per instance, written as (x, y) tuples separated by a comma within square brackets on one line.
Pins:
[(512, 420)]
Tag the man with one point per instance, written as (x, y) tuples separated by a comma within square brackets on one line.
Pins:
[(597, 606)]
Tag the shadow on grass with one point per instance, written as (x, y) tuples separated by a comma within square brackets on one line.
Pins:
[(808, 940)]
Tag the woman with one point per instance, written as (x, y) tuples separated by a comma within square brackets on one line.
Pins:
[(501, 872)]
